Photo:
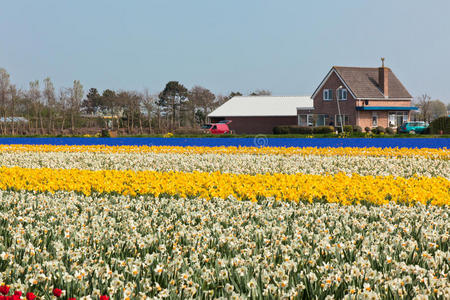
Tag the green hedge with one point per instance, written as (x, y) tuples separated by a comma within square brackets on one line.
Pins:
[(440, 124), (302, 129), (323, 129)]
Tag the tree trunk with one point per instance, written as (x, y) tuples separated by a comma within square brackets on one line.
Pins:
[(72, 121)]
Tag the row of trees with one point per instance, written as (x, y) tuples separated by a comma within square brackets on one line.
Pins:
[(41, 109), (429, 110), (38, 109)]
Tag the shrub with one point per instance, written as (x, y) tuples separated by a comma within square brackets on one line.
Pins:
[(378, 130), (188, 130), (367, 129), (300, 129), (357, 128), (440, 124), (105, 133), (389, 130), (323, 129), (348, 128), (293, 130), (280, 130)]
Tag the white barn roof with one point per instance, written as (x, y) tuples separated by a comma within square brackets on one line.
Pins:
[(259, 106)]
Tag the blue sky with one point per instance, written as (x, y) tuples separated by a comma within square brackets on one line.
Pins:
[(284, 46)]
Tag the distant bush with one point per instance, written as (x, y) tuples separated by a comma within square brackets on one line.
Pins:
[(389, 130), (378, 130), (440, 124), (300, 129), (188, 130), (323, 129), (105, 133), (357, 128), (280, 130), (367, 129), (348, 128), (293, 130)]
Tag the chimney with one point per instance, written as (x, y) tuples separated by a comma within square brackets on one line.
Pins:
[(383, 79)]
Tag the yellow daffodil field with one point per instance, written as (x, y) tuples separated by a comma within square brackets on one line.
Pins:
[(152, 222)]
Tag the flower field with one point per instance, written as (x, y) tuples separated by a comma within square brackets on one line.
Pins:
[(129, 222)]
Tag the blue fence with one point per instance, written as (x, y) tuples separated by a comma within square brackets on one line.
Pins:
[(257, 141)]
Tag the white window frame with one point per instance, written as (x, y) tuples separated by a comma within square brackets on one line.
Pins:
[(325, 117), (398, 114), (341, 93), (308, 118), (327, 95), (344, 121), (374, 114), (393, 120)]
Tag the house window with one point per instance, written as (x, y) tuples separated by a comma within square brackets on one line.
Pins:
[(374, 119), (310, 120), (321, 120), (327, 95), (305, 120), (344, 118), (392, 119), (397, 118), (342, 94)]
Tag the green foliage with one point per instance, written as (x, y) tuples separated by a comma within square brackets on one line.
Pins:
[(348, 128), (440, 124), (281, 130), (367, 129), (389, 130), (293, 130), (378, 130), (105, 133), (323, 129), (173, 94), (93, 101), (357, 129)]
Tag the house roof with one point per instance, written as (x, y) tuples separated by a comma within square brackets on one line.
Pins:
[(257, 106), (363, 83)]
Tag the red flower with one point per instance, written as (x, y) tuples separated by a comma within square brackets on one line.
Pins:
[(18, 293), (57, 292), (72, 299), (104, 297), (15, 297), (31, 296), (4, 289)]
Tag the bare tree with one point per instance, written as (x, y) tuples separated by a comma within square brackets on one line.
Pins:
[(14, 98), (50, 99), (149, 105), (34, 93), (261, 93), (4, 94), (201, 101), (76, 95), (423, 103), (62, 105)]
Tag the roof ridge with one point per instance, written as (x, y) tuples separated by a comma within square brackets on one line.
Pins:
[(356, 67)]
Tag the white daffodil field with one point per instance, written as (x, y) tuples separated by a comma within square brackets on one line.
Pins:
[(151, 223)]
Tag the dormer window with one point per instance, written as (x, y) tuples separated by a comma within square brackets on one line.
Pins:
[(342, 94), (327, 94)]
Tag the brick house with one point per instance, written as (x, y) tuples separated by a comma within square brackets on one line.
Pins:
[(260, 114), (368, 97)]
